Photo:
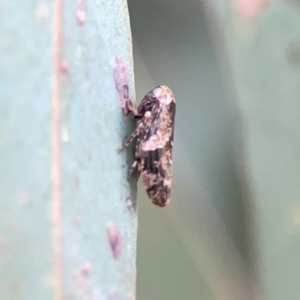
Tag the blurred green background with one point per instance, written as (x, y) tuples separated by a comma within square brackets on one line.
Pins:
[(229, 232)]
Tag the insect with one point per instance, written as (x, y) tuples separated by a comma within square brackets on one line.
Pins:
[(153, 134)]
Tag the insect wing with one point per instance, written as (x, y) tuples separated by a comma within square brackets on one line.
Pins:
[(156, 154)]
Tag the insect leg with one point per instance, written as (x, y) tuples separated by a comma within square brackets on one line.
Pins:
[(133, 167), (134, 171), (129, 107), (132, 137)]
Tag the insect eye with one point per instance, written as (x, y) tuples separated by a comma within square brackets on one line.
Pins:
[(156, 93), (148, 106)]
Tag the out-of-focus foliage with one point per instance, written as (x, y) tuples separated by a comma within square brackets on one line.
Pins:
[(232, 230), (197, 247)]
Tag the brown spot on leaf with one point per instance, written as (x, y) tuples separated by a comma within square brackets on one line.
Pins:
[(80, 17), (120, 75), (15, 288), (77, 219), (77, 181), (249, 9), (115, 239), (128, 203), (85, 269), (293, 54), (64, 67)]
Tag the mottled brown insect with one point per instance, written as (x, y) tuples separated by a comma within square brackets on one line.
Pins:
[(154, 141)]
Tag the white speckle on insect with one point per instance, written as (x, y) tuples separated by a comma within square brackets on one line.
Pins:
[(165, 99), (147, 115), (156, 92)]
